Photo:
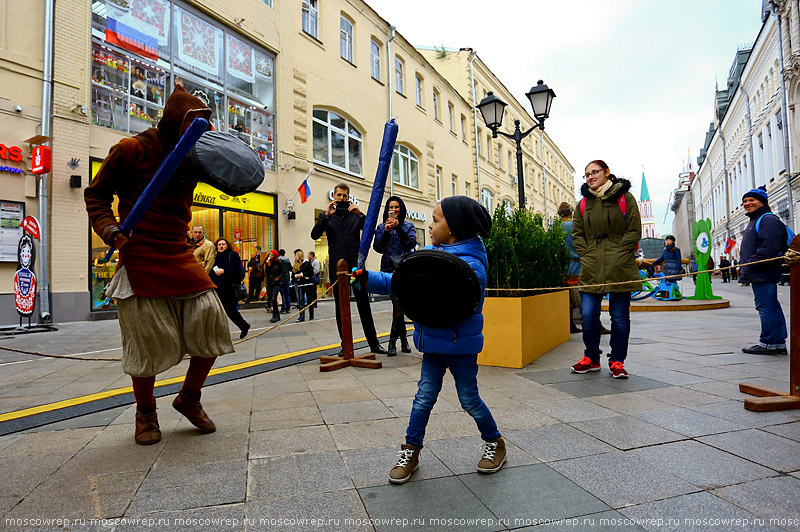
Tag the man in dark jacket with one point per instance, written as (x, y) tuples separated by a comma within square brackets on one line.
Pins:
[(725, 263), (769, 241), (342, 222)]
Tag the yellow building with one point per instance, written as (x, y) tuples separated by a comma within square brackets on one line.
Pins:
[(308, 84)]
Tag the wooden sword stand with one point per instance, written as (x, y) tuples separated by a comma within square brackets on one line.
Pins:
[(331, 363), (769, 400)]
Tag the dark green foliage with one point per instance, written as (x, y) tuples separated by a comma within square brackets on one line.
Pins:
[(523, 254)]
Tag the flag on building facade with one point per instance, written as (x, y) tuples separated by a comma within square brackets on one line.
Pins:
[(729, 244), (304, 189)]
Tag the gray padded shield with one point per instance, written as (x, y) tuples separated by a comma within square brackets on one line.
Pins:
[(227, 163)]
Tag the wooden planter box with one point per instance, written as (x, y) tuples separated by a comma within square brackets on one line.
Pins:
[(518, 330)]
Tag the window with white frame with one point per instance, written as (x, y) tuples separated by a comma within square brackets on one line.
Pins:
[(346, 39), (399, 79), (487, 200), (375, 59), (499, 156), (510, 164), (438, 183), (466, 189), (464, 128), (436, 104), (450, 113), (311, 17), (405, 167), (418, 89), (337, 142), (454, 185)]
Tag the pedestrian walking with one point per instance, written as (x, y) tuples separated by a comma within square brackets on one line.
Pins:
[(166, 302), (286, 281), (573, 271), (202, 248), (456, 223), (255, 270), (723, 264), (764, 238), (227, 273), (307, 293), (394, 238), (273, 272), (606, 232)]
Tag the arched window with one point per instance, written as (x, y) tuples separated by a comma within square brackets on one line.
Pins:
[(405, 167), (487, 200), (337, 142)]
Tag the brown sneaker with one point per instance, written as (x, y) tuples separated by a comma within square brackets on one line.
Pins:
[(147, 429), (494, 456), (188, 404), (407, 463)]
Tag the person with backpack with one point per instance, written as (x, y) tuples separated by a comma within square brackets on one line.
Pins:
[(765, 237), (606, 232)]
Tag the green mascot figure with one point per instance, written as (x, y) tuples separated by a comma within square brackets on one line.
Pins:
[(701, 232)]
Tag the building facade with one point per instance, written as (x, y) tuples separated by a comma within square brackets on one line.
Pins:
[(745, 146), (789, 12), (308, 85)]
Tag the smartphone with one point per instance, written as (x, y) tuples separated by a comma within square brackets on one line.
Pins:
[(393, 214)]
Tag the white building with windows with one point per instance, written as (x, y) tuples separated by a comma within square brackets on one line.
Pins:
[(745, 145)]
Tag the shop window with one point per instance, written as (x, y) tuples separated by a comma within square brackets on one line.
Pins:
[(127, 94), (254, 127), (249, 73), (405, 167), (337, 142), (199, 46), (140, 27)]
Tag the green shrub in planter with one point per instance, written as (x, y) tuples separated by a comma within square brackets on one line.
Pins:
[(523, 254)]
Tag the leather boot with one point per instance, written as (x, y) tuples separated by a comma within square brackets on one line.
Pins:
[(147, 429), (377, 349), (404, 344), (392, 351), (188, 403)]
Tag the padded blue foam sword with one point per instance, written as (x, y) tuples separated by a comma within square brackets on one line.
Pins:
[(162, 175)]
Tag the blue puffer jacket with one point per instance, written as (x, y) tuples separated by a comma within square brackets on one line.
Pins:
[(768, 242), (466, 338), (671, 257)]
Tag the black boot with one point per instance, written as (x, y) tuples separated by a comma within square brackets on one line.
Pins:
[(392, 351), (404, 344)]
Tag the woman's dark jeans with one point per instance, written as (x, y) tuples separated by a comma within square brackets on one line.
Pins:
[(619, 304)]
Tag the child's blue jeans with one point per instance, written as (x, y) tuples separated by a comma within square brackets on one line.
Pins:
[(464, 369)]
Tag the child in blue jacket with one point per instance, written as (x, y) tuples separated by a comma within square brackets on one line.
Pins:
[(457, 222)]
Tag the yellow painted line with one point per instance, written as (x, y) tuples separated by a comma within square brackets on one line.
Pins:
[(66, 403)]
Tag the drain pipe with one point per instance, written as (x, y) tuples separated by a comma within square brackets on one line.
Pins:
[(390, 84), (47, 95), (473, 57), (786, 155)]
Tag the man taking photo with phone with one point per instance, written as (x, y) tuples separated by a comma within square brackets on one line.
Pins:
[(343, 222)]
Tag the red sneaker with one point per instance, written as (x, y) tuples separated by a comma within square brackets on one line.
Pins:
[(585, 364), (617, 370)]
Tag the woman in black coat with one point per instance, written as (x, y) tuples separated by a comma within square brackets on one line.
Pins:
[(226, 273)]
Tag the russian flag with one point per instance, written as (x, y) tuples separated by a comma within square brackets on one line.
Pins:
[(304, 190), (131, 39)]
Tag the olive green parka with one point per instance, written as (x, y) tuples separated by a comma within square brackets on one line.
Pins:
[(606, 239)]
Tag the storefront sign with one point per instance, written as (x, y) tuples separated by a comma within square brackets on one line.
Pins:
[(11, 153), (11, 170), (41, 160), (414, 215), (24, 278), (254, 202), (11, 215), (352, 197)]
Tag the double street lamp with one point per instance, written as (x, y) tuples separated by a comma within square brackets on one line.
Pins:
[(492, 107)]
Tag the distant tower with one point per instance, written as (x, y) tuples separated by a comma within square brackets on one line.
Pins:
[(646, 211)]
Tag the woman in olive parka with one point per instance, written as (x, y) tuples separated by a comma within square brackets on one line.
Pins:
[(606, 230)]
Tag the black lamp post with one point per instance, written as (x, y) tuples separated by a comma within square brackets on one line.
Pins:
[(492, 107)]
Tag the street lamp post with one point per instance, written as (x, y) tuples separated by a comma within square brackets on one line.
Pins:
[(492, 107)]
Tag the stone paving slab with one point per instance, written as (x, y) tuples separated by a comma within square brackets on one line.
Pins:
[(760, 447), (626, 432), (775, 499)]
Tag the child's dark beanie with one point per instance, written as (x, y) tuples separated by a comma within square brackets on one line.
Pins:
[(466, 217)]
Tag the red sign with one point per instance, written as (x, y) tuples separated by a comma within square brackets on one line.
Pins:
[(31, 225), (41, 160), (24, 291), (237, 234), (11, 153)]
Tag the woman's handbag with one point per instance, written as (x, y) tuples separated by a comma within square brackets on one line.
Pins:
[(239, 291)]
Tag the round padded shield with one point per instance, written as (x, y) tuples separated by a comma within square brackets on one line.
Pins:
[(227, 163), (435, 288)]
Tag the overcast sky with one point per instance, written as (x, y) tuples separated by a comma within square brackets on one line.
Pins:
[(634, 79)]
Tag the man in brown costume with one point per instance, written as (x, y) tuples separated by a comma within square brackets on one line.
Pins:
[(163, 294)]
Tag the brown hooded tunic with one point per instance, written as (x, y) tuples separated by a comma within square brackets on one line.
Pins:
[(157, 258)]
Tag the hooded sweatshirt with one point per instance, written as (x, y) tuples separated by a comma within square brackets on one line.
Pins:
[(397, 242), (157, 258)]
